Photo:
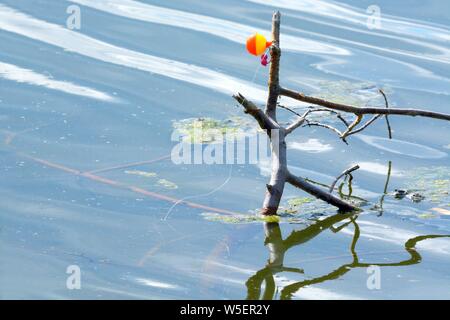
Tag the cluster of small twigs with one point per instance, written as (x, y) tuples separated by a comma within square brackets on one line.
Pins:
[(350, 128)]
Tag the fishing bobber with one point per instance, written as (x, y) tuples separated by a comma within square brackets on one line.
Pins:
[(257, 44)]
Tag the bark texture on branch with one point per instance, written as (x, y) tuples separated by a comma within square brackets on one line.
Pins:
[(275, 187), (279, 172), (274, 80), (320, 193), (346, 172), (263, 120), (366, 110)]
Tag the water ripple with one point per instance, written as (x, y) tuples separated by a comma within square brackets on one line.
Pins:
[(402, 147), (17, 22), (21, 75), (352, 15), (226, 29)]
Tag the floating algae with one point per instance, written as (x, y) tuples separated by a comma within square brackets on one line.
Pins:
[(301, 210), (427, 216), (145, 174), (433, 183), (295, 202), (209, 130), (167, 184), (239, 218)]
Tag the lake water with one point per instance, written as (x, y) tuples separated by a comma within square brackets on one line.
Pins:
[(86, 119)]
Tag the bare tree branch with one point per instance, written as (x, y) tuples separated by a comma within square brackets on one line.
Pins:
[(301, 183), (346, 172), (302, 119), (289, 109), (278, 175), (366, 110), (368, 123), (267, 120), (275, 52), (338, 115), (351, 126), (277, 138), (264, 121), (326, 126), (297, 123), (386, 117)]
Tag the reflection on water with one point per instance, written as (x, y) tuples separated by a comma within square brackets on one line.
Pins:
[(262, 284)]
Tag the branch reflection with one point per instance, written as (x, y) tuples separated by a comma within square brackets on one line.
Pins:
[(278, 247)]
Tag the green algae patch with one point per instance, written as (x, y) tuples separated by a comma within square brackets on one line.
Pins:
[(233, 219), (427, 215), (145, 174), (432, 182), (295, 202), (209, 130), (167, 184), (301, 210), (251, 218)]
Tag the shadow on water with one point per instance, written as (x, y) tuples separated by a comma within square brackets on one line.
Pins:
[(278, 247)]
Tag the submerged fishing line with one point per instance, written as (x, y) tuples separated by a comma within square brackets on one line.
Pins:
[(200, 195), (217, 188)]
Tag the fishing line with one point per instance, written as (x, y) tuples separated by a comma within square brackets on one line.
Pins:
[(200, 195), (230, 172)]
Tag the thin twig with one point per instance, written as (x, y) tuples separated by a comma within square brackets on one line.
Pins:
[(386, 117), (386, 185), (360, 111), (298, 122), (264, 121), (352, 126), (326, 126), (338, 115), (344, 173), (368, 123), (289, 109)]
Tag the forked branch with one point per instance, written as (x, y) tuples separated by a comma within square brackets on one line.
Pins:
[(264, 121), (268, 120), (346, 172)]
